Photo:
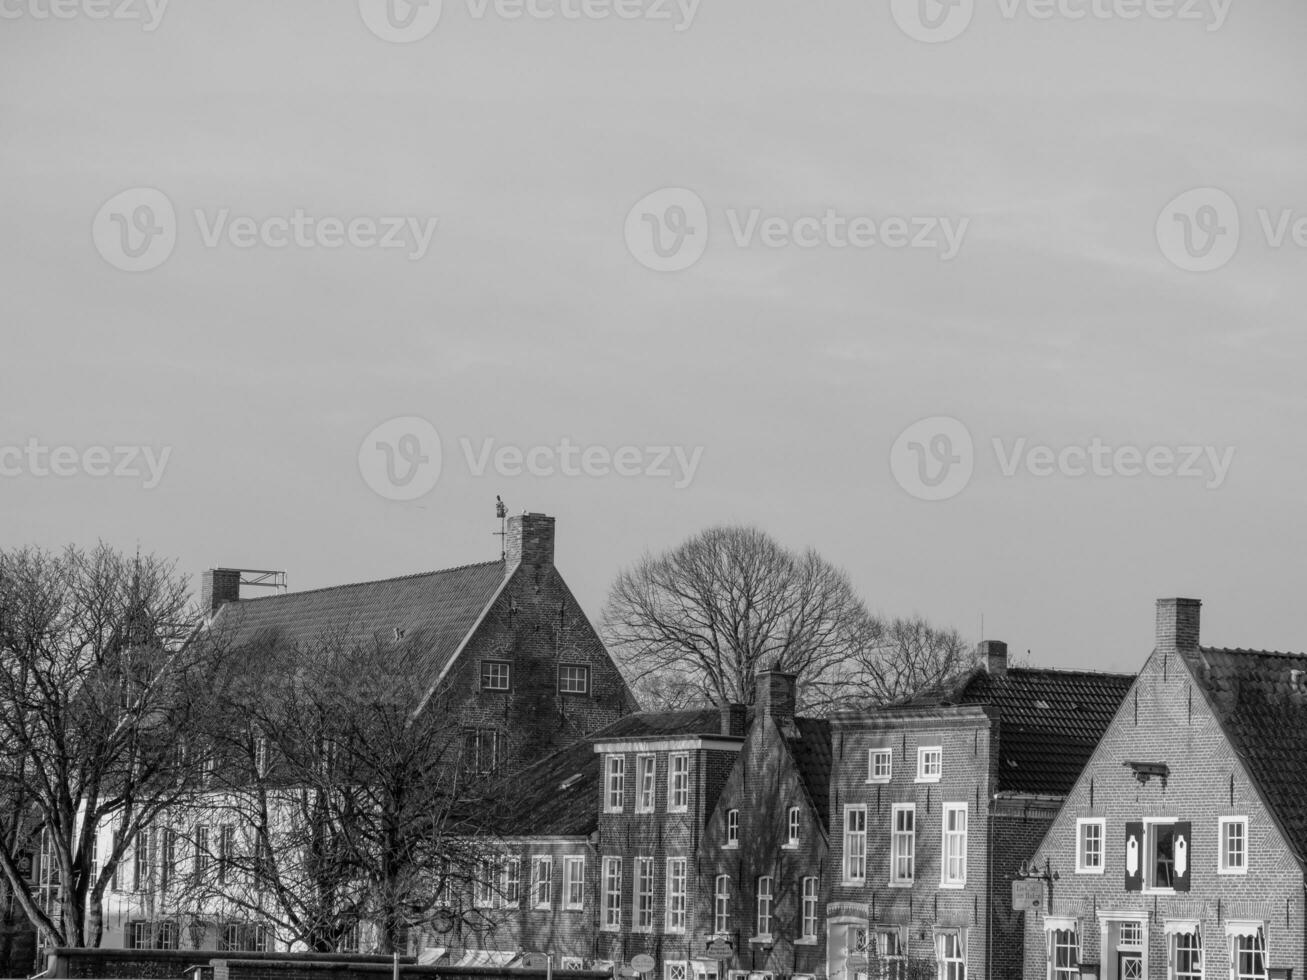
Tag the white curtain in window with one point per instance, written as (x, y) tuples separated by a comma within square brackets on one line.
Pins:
[(1064, 923), (1183, 926), (1244, 927)]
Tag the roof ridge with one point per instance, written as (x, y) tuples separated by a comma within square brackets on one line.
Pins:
[(377, 581), (1256, 653), (1063, 671)]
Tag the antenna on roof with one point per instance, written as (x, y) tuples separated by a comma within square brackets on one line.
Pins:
[(501, 511)]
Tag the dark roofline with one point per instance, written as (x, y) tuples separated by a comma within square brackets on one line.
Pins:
[(1235, 748), (1247, 652), (350, 585)]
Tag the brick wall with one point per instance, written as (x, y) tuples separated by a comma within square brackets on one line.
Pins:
[(537, 624), (1165, 719), (964, 735), (164, 963), (763, 785)]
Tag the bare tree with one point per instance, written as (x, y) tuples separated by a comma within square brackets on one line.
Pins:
[(901, 658), (710, 615), (344, 798), (95, 684)]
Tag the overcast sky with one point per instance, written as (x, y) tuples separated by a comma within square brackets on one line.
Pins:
[(1061, 316)]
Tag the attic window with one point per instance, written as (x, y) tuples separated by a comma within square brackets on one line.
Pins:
[(399, 632), (570, 781), (1042, 705)]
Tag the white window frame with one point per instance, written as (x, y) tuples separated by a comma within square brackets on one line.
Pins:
[(732, 829), (485, 883), (793, 825), (1173, 955), (646, 782), (874, 757), (722, 905), (808, 908), (573, 875), (1223, 867), (1101, 824), (570, 687), (1072, 971), (512, 882), (677, 896), (678, 782), (893, 965), (542, 876), (1234, 939), (924, 752), (612, 903), (499, 672), (1148, 863), (614, 782), (943, 962), (899, 838), (948, 840), (855, 874), (766, 894), (643, 889)]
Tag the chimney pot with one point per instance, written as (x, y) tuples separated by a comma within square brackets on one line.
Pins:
[(993, 654), (1178, 623), (530, 540), (219, 586)]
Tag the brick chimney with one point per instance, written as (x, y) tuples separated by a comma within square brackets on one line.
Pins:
[(775, 695), (733, 719), (1177, 623), (219, 586), (530, 540), (993, 654)]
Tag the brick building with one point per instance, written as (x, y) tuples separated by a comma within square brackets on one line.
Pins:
[(506, 640), (762, 872), (1179, 853), (934, 805)]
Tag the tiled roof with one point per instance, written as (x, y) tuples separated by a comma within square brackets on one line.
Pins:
[(1260, 699), (667, 724), (812, 757), (558, 796), (435, 611), (1050, 721)]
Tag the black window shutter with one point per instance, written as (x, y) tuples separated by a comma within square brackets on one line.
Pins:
[(1184, 855), (1134, 855)]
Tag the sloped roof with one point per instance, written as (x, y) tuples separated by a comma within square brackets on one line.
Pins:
[(1260, 700), (435, 611), (558, 796), (1049, 721), (665, 724), (813, 758)]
